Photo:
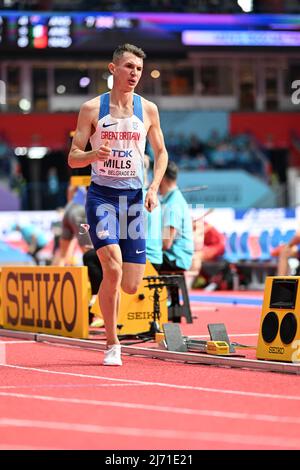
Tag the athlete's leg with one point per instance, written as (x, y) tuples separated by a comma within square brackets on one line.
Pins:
[(111, 261), (132, 277), (91, 260), (133, 250)]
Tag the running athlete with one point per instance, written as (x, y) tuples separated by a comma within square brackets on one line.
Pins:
[(117, 124)]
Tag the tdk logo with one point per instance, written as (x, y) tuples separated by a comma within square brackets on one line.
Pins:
[(122, 153)]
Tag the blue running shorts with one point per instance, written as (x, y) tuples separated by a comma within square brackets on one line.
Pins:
[(116, 216)]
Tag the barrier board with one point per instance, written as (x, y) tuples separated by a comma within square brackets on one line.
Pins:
[(44, 299)]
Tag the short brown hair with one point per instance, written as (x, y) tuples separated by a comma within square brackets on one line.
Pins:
[(120, 50)]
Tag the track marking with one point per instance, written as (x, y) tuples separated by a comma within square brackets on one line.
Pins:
[(161, 409), (5, 387), (218, 302), (231, 334), (22, 447), (20, 341), (161, 384), (260, 441)]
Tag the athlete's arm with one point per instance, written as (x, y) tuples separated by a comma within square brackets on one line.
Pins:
[(78, 158), (157, 143)]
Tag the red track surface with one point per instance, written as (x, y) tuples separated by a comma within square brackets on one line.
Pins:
[(58, 397)]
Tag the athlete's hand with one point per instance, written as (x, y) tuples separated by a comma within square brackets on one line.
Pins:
[(103, 152), (151, 200), (286, 249)]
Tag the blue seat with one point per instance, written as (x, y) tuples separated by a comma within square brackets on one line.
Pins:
[(11, 255), (276, 238), (244, 252), (288, 235), (264, 243), (231, 248)]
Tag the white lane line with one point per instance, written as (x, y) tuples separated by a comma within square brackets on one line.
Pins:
[(24, 447), (161, 384), (231, 334), (221, 303), (57, 386), (162, 409), (20, 341), (260, 441)]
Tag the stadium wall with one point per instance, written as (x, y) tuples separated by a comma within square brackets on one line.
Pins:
[(263, 125), (49, 130), (52, 130)]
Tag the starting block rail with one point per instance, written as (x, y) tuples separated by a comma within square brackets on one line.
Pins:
[(18, 334), (155, 353)]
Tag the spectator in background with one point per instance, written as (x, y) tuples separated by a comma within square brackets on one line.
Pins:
[(172, 143), (7, 162), (33, 236), (294, 150), (53, 188), (56, 229), (74, 232), (177, 231), (212, 249), (153, 225), (73, 223), (220, 152), (285, 252), (177, 224), (213, 243), (196, 147), (277, 155)]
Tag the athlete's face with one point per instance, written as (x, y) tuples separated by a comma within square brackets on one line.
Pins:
[(127, 71)]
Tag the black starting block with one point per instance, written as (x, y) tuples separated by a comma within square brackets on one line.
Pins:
[(174, 339), (175, 283), (219, 343), (218, 332)]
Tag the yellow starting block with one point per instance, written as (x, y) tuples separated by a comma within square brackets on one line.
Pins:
[(159, 337), (218, 348)]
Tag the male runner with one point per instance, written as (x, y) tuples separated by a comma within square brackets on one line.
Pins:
[(117, 124)]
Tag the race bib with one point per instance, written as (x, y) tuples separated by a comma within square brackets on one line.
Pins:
[(121, 166)]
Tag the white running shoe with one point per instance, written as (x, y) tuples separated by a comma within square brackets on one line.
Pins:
[(112, 355), (97, 322)]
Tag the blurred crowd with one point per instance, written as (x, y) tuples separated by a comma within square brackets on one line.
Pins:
[(8, 164), (189, 152), (217, 152)]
